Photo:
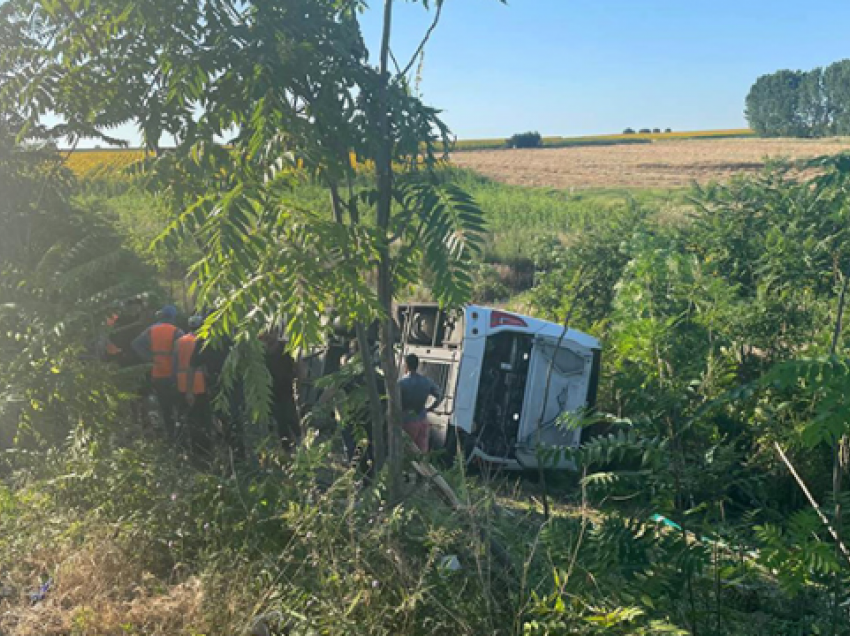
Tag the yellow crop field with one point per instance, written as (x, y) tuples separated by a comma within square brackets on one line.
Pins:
[(112, 164), (604, 140), (693, 134), (94, 164)]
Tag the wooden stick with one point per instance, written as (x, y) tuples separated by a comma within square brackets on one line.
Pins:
[(428, 472), (812, 501)]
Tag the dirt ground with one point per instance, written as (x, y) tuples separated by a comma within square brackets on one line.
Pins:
[(665, 164)]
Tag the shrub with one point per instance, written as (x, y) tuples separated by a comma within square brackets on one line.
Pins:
[(64, 271), (525, 140), (591, 263), (645, 131), (668, 130), (629, 131), (488, 285), (656, 130)]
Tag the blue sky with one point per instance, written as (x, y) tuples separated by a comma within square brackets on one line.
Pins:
[(581, 67), (576, 67)]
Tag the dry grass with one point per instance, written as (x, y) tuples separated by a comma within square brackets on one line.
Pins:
[(98, 589), (656, 165), (682, 134), (590, 140)]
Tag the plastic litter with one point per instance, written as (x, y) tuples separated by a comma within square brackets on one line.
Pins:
[(451, 563), (41, 592)]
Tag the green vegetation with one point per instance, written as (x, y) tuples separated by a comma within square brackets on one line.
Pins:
[(63, 268), (525, 140), (721, 311), (812, 103), (292, 105), (703, 356), (517, 218)]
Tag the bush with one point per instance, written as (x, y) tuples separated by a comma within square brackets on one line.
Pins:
[(488, 286), (656, 130), (64, 271), (668, 130), (645, 131), (525, 140), (629, 131), (591, 263)]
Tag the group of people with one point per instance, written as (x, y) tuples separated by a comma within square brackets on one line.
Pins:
[(179, 385), (185, 374)]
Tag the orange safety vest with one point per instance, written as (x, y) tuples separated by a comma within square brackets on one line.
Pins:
[(185, 348), (162, 350)]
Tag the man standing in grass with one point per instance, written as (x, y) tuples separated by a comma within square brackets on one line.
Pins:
[(192, 385), (158, 345), (415, 391)]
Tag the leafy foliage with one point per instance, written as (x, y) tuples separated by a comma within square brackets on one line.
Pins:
[(587, 268), (801, 104), (63, 272), (525, 140), (290, 89), (715, 330), (716, 335)]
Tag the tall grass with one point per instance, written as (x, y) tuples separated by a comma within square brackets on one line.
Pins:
[(133, 541), (519, 217)]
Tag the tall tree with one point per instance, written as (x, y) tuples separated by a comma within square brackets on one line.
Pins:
[(801, 104), (812, 104), (256, 95), (773, 105), (836, 87)]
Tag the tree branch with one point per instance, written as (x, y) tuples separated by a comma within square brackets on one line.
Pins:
[(812, 500), (567, 320), (425, 39), (76, 20)]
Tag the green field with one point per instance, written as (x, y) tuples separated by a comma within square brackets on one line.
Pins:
[(518, 217)]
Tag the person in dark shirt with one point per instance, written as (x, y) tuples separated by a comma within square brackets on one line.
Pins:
[(157, 345), (415, 391), (194, 388), (213, 356), (125, 326), (282, 369)]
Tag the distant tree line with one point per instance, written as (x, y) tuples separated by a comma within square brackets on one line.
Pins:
[(531, 139), (801, 104), (646, 131)]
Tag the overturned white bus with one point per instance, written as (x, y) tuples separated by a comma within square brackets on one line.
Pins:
[(493, 368)]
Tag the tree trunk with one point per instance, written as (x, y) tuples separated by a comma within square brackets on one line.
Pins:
[(376, 412), (838, 468), (383, 167)]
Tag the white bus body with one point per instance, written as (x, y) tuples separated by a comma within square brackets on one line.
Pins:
[(493, 368)]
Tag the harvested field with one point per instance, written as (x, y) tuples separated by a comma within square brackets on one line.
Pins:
[(666, 164)]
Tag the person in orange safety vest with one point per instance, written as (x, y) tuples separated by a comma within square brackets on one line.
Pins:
[(192, 386), (158, 345)]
